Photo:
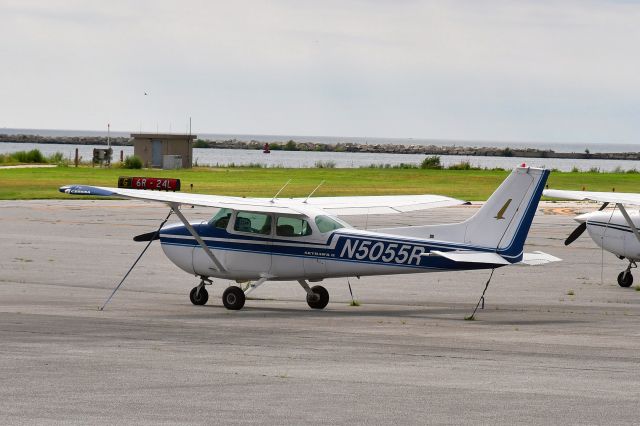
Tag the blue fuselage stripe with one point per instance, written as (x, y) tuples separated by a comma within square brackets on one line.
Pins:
[(341, 247)]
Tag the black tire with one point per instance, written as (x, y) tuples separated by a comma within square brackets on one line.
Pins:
[(625, 281), (201, 298), (233, 298), (321, 301)]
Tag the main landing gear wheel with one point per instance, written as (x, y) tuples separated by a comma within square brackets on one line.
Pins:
[(233, 298), (199, 298), (321, 297), (625, 279)]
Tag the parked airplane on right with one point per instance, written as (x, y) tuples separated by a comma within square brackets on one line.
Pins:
[(615, 231)]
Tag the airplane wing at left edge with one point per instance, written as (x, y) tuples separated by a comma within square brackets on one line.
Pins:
[(604, 197), (341, 206), (177, 198)]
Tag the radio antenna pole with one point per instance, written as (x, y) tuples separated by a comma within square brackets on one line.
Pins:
[(278, 193), (312, 192)]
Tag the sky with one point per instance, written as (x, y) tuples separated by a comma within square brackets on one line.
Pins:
[(485, 70)]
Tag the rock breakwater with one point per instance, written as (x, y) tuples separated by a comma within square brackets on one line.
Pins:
[(292, 145)]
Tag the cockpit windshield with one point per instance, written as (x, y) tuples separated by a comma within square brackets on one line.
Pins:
[(221, 219)]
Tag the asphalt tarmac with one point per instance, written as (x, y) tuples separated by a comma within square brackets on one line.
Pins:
[(557, 344)]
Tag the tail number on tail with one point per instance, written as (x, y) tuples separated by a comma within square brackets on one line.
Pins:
[(378, 251)]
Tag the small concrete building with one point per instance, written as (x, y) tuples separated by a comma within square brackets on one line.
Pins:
[(164, 150)]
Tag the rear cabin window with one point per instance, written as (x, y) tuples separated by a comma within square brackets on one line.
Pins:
[(292, 227), (255, 223), (326, 224)]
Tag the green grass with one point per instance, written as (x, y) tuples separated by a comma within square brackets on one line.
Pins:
[(471, 185)]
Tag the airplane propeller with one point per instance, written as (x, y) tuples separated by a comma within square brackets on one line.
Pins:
[(149, 236), (580, 229)]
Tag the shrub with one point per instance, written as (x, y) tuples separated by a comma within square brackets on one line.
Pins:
[(405, 166), (291, 146), (431, 162), (57, 158), (201, 144), (132, 162), (325, 164), (464, 165), (33, 156)]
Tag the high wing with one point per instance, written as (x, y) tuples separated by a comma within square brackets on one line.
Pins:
[(335, 205), (605, 197), (177, 198), (381, 204)]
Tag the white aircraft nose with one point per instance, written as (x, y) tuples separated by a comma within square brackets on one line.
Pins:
[(584, 217)]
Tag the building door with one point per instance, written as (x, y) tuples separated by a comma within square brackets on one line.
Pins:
[(156, 153)]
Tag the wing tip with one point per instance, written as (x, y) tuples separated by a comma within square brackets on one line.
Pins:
[(85, 190)]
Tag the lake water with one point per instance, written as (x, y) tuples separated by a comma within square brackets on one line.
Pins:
[(303, 159)]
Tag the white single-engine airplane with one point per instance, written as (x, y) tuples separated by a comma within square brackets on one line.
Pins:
[(616, 231), (303, 240)]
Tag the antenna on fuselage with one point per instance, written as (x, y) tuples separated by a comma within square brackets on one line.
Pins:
[(278, 193), (312, 192)]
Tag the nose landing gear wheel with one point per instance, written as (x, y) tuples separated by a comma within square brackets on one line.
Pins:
[(321, 299), (625, 279), (233, 298), (199, 298)]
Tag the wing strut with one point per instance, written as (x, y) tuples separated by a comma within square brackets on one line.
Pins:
[(629, 221), (176, 210)]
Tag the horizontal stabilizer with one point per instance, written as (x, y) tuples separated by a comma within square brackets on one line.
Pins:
[(537, 258), (469, 256)]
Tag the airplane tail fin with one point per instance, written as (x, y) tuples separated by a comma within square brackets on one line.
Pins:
[(502, 223), (504, 220)]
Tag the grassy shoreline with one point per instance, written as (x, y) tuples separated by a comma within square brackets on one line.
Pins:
[(473, 185)]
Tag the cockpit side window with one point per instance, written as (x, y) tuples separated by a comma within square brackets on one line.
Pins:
[(255, 223), (326, 224), (221, 219), (292, 227)]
